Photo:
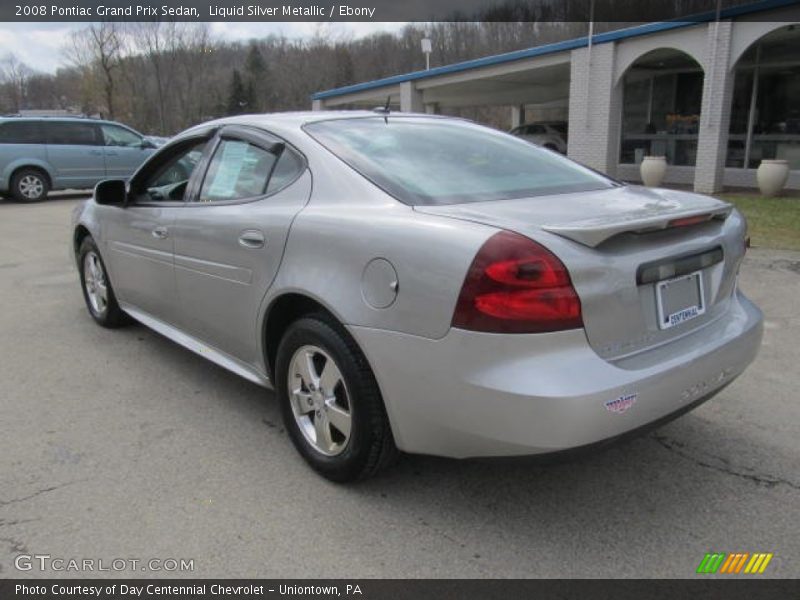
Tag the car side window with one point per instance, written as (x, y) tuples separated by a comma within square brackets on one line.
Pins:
[(21, 132), (71, 134), (237, 170), (114, 135), (169, 181), (290, 166)]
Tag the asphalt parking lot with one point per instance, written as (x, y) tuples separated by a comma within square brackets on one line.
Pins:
[(121, 444)]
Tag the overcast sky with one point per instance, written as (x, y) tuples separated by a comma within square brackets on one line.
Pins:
[(39, 44)]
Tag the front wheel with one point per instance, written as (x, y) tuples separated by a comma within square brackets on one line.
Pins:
[(331, 404), (97, 290)]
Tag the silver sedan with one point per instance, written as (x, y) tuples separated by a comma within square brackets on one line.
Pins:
[(422, 284)]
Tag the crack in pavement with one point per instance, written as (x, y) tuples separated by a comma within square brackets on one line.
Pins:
[(34, 494), (4, 523), (767, 481)]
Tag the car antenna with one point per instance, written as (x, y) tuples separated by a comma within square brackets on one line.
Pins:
[(384, 110)]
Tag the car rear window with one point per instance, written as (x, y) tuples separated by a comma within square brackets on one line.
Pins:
[(21, 132), (437, 161)]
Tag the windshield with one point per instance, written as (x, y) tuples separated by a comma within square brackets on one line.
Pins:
[(438, 161)]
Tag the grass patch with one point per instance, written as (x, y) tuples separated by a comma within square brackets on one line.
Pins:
[(772, 222)]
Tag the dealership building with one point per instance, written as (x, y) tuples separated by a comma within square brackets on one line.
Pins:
[(715, 95)]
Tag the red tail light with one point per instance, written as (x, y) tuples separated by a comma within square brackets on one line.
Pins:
[(514, 285)]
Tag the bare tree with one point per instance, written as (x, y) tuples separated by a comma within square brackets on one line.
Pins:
[(192, 49), (14, 76), (152, 40), (98, 51)]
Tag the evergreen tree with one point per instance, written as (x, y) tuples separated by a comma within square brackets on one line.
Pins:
[(238, 100), (259, 79)]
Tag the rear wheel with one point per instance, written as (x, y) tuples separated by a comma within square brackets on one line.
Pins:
[(29, 185), (97, 290), (331, 404)]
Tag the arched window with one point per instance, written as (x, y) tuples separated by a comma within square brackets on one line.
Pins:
[(662, 95), (765, 113)]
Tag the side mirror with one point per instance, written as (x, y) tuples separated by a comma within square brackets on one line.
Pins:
[(112, 192), (147, 144)]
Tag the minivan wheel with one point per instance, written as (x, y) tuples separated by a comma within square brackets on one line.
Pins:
[(331, 404), (29, 185), (97, 290)]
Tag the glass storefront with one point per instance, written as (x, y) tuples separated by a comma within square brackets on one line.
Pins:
[(662, 95), (765, 114)]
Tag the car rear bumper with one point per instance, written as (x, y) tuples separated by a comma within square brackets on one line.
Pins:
[(474, 394)]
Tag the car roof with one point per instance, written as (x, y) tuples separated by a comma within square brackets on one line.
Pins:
[(45, 119), (300, 118), (292, 122)]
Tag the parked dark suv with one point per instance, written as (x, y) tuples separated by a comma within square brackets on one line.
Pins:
[(42, 154)]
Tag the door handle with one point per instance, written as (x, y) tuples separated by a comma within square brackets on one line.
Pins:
[(252, 238), (96, 152), (160, 232)]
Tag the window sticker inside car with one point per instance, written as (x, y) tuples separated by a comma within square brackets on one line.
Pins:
[(231, 162)]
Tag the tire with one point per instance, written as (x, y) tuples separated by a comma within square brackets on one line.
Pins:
[(310, 408), (551, 147), (97, 291), (29, 185)]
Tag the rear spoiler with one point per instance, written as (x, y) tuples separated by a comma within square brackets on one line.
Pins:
[(593, 232)]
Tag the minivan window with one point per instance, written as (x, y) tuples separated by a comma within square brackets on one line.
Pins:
[(114, 135), (67, 133), (438, 161), (21, 132)]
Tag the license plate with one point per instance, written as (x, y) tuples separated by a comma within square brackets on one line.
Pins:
[(680, 299)]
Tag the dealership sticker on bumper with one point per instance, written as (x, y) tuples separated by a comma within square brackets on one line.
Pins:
[(621, 404)]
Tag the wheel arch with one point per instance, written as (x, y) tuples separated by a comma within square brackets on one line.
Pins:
[(36, 166), (282, 311), (81, 233)]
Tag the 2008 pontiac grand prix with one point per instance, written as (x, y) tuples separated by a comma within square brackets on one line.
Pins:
[(422, 283)]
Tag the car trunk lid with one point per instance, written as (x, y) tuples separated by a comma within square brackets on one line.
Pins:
[(620, 246)]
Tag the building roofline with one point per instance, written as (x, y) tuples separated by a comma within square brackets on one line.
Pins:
[(581, 42)]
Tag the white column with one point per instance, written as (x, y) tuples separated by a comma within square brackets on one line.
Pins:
[(517, 115), (715, 115), (317, 105), (594, 108), (410, 98)]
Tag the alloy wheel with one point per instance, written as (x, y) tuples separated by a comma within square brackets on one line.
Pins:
[(320, 400), (94, 281), (31, 186)]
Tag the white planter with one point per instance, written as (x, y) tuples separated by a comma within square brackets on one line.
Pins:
[(652, 170), (771, 176)]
